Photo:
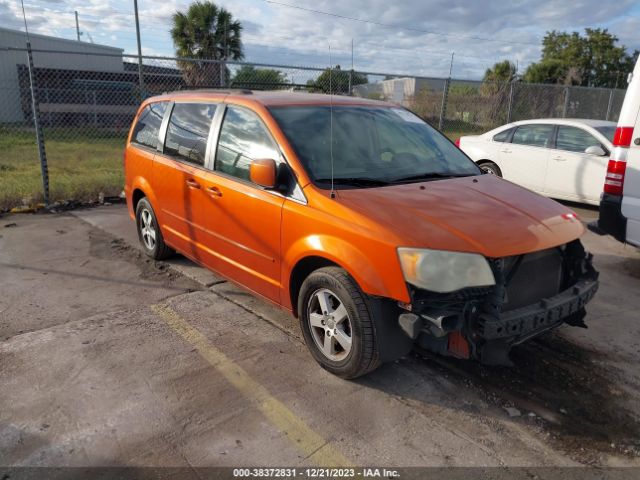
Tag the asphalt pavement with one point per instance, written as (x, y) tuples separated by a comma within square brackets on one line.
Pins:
[(110, 358)]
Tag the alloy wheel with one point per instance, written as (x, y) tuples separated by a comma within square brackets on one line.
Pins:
[(147, 229), (487, 169), (329, 324)]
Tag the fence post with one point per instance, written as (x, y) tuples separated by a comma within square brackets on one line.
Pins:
[(610, 104), (443, 107), (95, 112), (565, 108), (510, 106), (36, 123), (47, 100)]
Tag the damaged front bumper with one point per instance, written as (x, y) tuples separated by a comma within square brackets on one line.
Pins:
[(534, 293)]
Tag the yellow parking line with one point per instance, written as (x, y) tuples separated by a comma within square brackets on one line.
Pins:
[(312, 445)]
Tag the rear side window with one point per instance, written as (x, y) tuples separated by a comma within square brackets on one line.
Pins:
[(535, 135), (574, 139), (188, 131), (243, 138), (148, 126), (503, 136)]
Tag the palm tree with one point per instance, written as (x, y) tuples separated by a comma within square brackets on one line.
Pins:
[(206, 32), (496, 89), (504, 71), (497, 78)]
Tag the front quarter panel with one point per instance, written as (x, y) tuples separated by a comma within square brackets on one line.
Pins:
[(370, 259)]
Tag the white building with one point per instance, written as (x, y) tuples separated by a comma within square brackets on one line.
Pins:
[(109, 59), (398, 90)]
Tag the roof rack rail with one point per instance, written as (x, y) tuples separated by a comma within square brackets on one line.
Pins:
[(244, 91)]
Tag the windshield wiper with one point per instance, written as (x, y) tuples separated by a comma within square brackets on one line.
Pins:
[(355, 181), (430, 176)]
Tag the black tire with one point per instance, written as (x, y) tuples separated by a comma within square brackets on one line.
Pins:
[(363, 356), (490, 168), (159, 250)]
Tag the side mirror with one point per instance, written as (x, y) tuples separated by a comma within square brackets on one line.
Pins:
[(595, 150), (263, 172)]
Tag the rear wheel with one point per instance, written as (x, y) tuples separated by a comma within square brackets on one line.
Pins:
[(337, 324), (149, 232), (490, 168)]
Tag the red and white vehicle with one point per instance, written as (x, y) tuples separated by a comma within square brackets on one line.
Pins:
[(620, 202)]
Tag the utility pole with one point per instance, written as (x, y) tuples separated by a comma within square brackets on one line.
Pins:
[(140, 77), (42, 154), (445, 96), (352, 54), (351, 72), (78, 32), (223, 69)]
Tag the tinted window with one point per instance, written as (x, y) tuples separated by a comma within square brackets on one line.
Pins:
[(146, 130), (503, 136), (574, 139), (188, 131), (534, 135), (368, 143), (243, 137)]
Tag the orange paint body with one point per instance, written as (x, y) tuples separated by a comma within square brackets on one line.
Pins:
[(255, 237)]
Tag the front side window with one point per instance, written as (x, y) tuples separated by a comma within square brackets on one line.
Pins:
[(535, 135), (188, 131), (370, 146), (243, 138), (148, 125), (574, 139)]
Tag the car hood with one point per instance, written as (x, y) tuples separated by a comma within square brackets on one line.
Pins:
[(483, 214)]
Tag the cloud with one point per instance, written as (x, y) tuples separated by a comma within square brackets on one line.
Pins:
[(284, 35)]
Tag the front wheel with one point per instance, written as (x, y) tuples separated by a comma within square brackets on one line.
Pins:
[(337, 325), (490, 168)]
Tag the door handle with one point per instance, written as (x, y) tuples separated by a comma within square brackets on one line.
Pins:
[(506, 150), (560, 159), (192, 183), (214, 191)]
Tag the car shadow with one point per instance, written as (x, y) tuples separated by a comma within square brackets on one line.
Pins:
[(568, 390)]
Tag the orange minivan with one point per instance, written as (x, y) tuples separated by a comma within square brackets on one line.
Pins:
[(359, 218)]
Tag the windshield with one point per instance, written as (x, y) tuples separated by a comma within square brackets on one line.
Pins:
[(608, 132), (372, 146)]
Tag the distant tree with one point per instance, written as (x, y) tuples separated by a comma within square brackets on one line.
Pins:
[(497, 78), (259, 79), (206, 32), (593, 60), (504, 71), (339, 80), (547, 71)]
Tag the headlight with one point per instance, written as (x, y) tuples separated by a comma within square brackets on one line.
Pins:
[(441, 271)]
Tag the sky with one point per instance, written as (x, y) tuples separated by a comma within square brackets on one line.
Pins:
[(397, 37)]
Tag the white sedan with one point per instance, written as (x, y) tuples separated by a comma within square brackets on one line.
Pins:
[(560, 158)]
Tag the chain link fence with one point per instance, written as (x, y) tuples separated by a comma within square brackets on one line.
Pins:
[(85, 102)]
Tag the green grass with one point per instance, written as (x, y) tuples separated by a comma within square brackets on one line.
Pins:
[(80, 167)]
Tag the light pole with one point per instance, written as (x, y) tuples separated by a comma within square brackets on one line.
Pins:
[(140, 77)]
